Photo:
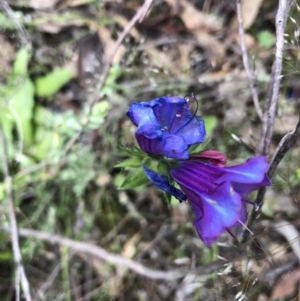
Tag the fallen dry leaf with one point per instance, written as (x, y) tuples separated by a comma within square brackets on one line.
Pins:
[(285, 124), (249, 40), (201, 25), (41, 4), (250, 10), (213, 77), (108, 43), (129, 248), (286, 285), (195, 19)]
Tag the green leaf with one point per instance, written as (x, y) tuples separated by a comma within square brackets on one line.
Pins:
[(98, 114), (210, 124), (135, 151), (266, 39), (43, 116), (51, 83), (134, 180), (114, 73), (6, 257), (5, 22), (132, 162), (22, 59), (196, 149), (17, 101), (46, 142), (173, 201), (111, 85), (21, 105), (7, 122)]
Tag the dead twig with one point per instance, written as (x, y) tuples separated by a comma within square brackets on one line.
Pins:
[(289, 139), (139, 16), (102, 254), (274, 84), (94, 98), (249, 72), (23, 34), (20, 276)]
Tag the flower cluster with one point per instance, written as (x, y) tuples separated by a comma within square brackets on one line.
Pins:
[(167, 127)]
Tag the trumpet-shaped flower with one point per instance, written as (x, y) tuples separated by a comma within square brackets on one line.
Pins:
[(166, 126), (217, 194)]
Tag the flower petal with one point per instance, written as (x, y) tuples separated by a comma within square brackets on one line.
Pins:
[(193, 130), (169, 122), (197, 174), (163, 183), (175, 147), (244, 189), (167, 107), (174, 115), (217, 207), (213, 157), (171, 146), (141, 114), (251, 172), (215, 211)]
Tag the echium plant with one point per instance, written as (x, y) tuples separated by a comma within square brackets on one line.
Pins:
[(166, 132)]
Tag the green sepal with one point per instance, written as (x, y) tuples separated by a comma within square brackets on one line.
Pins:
[(52, 82), (135, 151), (210, 124), (131, 163), (162, 169), (198, 148), (21, 62), (169, 198), (135, 180)]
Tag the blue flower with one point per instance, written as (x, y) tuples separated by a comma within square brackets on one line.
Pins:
[(166, 126), (216, 194)]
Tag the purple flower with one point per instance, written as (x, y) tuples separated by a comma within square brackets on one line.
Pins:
[(166, 126), (217, 194)]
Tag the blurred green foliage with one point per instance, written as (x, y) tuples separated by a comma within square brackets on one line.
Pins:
[(266, 39), (51, 83), (49, 179)]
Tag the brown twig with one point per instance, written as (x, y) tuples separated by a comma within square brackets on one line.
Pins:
[(274, 84), (102, 254), (139, 16), (249, 72), (20, 276), (94, 98), (289, 139), (114, 259)]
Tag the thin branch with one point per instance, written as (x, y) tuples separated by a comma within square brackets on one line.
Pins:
[(274, 84), (286, 143), (249, 72), (20, 275), (102, 254), (22, 32), (139, 16)]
